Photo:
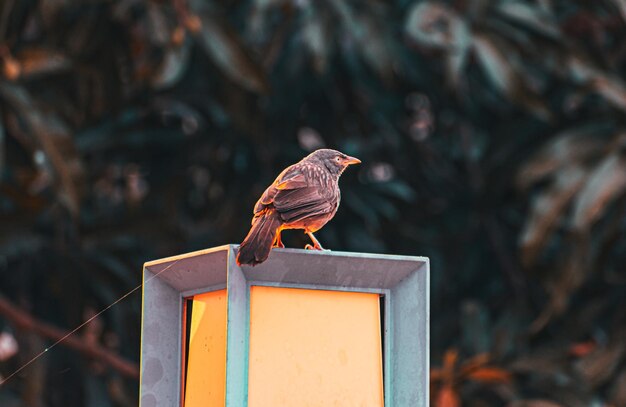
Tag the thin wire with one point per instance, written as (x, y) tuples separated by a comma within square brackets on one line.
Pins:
[(40, 354)]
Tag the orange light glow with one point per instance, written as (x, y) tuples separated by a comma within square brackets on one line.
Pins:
[(314, 348), (206, 367)]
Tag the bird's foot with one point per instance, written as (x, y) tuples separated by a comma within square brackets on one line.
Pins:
[(316, 243), (278, 242), (317, 247)]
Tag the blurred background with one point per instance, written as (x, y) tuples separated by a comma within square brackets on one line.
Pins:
[(493, 140)]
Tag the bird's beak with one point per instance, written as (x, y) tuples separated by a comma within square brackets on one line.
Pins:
[(351, 160)]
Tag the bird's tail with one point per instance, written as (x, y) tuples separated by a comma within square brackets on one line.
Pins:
[(256, 247)]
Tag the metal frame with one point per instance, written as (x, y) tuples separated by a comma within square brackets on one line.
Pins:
[(403, 280)]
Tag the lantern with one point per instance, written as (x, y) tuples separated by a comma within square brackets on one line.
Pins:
[(304, 328)]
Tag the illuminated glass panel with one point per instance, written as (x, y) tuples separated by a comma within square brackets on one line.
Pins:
[(314, 348), (206, 347)]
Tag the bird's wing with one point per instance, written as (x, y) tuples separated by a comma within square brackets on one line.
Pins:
[(294, 180), (290, 178), (300, 203), (296, 194)]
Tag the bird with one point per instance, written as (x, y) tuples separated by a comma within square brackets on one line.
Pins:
[(304, 196)]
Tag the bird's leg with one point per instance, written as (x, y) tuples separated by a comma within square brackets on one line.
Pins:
[(278, 242), (316, 243)]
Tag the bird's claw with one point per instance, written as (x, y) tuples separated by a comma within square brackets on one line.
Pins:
[(311, 247), (278, 242)]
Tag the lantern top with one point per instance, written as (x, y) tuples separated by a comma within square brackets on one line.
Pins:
[(206, 268)]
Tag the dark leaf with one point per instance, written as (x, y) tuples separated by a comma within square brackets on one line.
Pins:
[(618, 392), (609, 86), (534, 403), (575, 266), (41, 61), (436, 25), (547, 209), (574, 146), (532, 16), (225, 48), (55, 149), (606, 183), (396, 188), (582, 349), (2, 142), (496, 65), (542, 362), (475, 327), (315, 36), (598, 366), (370, 36), (447, 397), (490, 375), (360, 206), (621, 6), (173, 65)]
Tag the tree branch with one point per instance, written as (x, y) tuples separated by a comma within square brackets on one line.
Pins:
[(25, 321)]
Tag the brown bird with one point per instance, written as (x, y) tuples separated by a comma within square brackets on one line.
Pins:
[(304, 196)]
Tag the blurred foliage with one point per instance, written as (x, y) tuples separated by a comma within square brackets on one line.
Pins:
[(492, 136)]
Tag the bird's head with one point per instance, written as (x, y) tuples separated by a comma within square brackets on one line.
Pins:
[(335, 161)]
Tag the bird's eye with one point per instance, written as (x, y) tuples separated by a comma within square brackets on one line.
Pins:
[(337, 158)]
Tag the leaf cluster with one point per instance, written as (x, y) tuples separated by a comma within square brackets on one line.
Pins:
[(492, 141)]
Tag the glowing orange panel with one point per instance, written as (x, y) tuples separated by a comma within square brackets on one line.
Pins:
[(314, 348), (206, 365)]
